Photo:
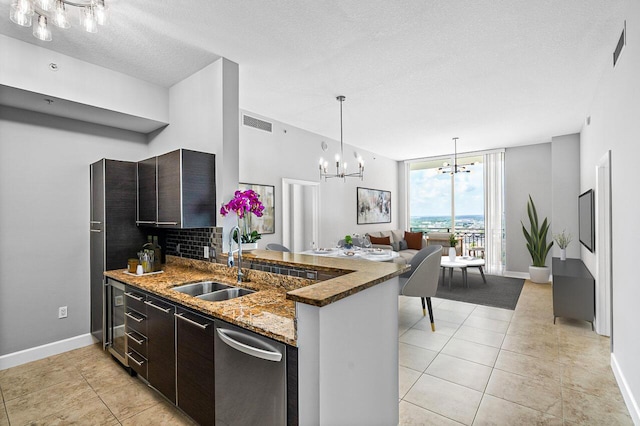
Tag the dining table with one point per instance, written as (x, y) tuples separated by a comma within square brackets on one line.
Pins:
[(372, 254)]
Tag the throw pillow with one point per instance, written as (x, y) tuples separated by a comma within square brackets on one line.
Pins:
[(395, 246), (414, 240), (402, 245), (380, 240)]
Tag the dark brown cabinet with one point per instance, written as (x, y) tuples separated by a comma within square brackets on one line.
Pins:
[(136, 330), (161, 371), (194, 375), (177, 190)]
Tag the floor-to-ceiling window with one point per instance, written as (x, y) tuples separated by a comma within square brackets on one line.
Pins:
[(443, 202)]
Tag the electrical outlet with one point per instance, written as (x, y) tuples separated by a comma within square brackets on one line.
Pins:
[(206, 252), (62, 312)]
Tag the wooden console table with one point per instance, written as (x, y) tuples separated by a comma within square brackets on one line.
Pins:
[(573, 290)]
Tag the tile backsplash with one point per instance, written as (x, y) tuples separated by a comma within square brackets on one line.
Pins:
[(189, 243)]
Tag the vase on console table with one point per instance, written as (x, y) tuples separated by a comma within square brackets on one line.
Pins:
[(452, 254), (563, 254)]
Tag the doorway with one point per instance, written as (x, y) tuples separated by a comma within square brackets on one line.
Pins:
[(604, 281), (300, 214)]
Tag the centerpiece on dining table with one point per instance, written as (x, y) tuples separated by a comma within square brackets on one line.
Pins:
[(243, 204)]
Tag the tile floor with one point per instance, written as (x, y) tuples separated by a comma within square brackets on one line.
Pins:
[(482, 366)]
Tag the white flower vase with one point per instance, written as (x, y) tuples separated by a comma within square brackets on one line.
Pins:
[(249, 247), (563, 254), (452, 254)]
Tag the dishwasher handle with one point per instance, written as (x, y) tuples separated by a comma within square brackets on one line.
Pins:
[(225, 334)]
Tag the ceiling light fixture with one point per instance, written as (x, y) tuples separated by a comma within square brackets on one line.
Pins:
[(341, 168), (91, 14), (455, 168)]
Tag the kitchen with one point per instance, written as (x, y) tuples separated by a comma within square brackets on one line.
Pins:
[(53, 155)]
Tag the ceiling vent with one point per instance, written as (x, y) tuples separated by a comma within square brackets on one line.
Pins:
[(256, 123), (621, 42)]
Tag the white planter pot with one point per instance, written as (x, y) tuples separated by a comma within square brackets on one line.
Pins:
[(452, 254), (539, 274), (563, 254), (248, 247)]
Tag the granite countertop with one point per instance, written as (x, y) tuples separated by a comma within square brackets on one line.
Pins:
[(269, 311)]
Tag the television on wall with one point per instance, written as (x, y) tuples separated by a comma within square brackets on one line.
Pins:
[(586, 222)]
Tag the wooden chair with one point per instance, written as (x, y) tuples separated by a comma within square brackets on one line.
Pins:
[(422, 280)]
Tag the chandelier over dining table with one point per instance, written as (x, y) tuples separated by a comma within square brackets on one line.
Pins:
[(41, 13), (341, 165)]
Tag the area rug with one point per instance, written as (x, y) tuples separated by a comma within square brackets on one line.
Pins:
[(500, 292)]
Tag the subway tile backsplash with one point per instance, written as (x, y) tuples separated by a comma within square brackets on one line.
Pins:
[(190, 243)]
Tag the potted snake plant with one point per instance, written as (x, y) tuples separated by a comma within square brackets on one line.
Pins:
[(537, 245)]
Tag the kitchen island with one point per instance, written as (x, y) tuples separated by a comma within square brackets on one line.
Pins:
[(345, 326)]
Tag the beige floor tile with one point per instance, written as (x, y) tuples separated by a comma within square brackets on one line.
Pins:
[(130, 400), (529, 366), (43, 376), (497, 412), (448, 399), (162, 414), (489, 324), (407, 378), (583, 408), (455, 306), (539, 394), (460, 371), (492, 313), (440, 314), (442, 327), (4, 420), (414, 357), (106, 378), (471, 351), (477, 335), (91, 411), (45, 402), (425, 339), (412, 415), (595, 380), (584, 351), (534, 345)]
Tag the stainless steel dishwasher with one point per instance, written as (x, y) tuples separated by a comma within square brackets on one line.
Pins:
[(250, 378)]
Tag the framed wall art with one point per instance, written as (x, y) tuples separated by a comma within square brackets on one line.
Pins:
[(374, 206), (267, 223)]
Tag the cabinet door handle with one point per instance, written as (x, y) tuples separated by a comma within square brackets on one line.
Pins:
[(95, 230), (130, 336), (136, 319), (130, 356), (166, 223), (133, 296), (145, 222), (160, 308), (97, 222), (196, 323)]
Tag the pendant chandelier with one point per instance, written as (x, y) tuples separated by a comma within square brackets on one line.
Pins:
[(454, 168), (43, 12), (341, 167)]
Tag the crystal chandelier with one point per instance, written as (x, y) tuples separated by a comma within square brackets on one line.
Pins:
[(43, 12), (454, 168), (341, 168)]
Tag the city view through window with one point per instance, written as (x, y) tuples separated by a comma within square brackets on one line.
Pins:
[(430, 201)]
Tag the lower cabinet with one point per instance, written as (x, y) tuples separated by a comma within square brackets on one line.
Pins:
[(161, 370), (136, 330), (194, 363)]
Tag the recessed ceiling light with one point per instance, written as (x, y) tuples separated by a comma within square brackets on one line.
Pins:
[(53, 66), (49, 101)]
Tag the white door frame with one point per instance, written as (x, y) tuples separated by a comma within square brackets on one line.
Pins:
[(286, 208), (604, 281)]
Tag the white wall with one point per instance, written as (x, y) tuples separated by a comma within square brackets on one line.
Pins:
[(565, 175), (44, 222), (289, 152), (614, 126), (527, 172)]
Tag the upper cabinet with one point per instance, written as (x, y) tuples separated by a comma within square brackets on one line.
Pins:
[(177, 190)]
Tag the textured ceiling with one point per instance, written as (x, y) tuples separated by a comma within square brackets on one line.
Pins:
[(495, 73)]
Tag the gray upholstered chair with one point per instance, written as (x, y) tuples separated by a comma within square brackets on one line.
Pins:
[(422, 280), (277, 247)]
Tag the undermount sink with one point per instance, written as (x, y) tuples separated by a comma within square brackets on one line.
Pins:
[(196, 289), (212, 291), (230, 293)]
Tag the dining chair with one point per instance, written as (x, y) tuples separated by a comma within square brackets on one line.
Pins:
[(422, 280), (277, 247)]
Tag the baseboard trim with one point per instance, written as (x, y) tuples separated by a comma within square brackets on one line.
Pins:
[(43, 351), (629, 399), (515, 274)]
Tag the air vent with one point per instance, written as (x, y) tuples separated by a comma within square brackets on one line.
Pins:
[(256, 123), (620, 45)]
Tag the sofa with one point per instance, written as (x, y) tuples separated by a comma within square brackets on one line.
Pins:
[(405, 245)]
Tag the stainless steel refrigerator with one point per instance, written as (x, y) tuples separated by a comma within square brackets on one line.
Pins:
[(114, 236)]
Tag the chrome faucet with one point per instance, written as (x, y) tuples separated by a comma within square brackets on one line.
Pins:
[(239, 251)]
